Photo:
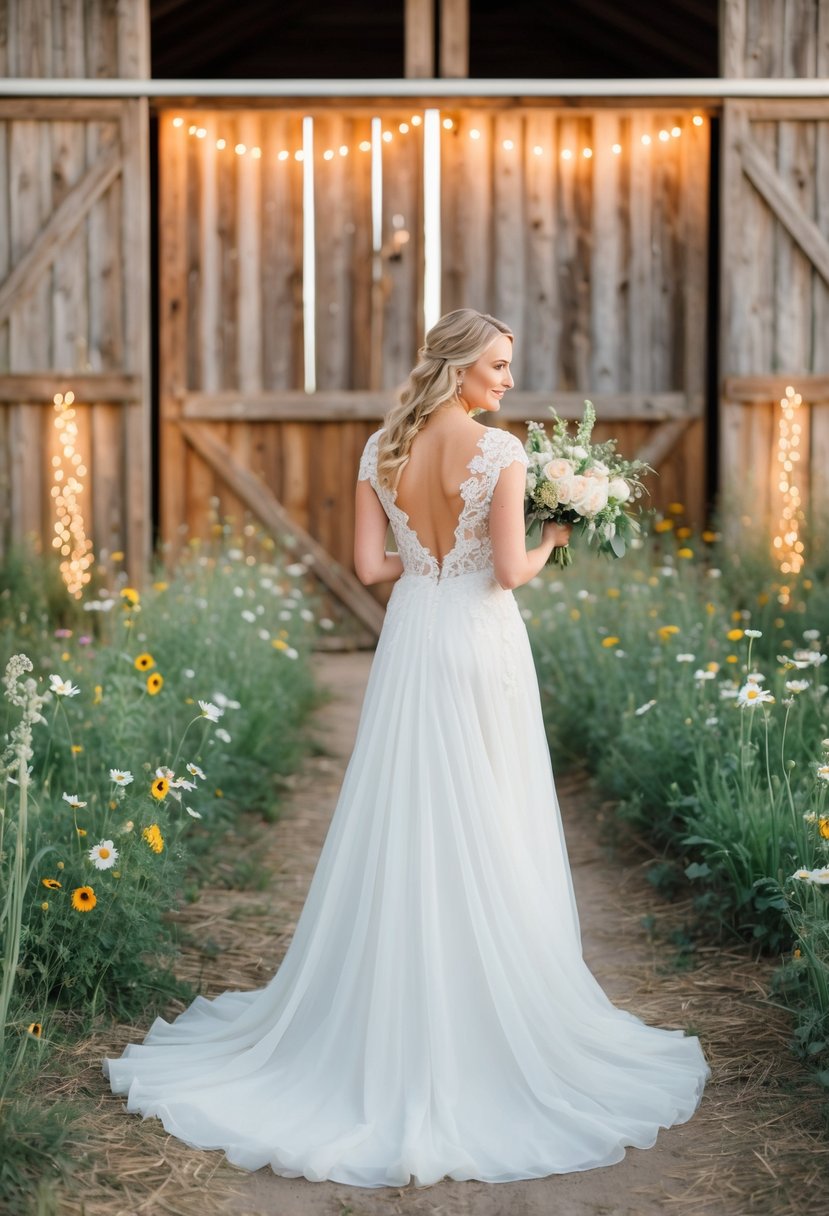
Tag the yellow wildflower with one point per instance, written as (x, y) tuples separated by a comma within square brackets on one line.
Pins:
[(734, 635), (155, 683), (685, 552), (663, 525), (159, 788), (130, 595), (153, 837), (676, 508), (83, 899), (143, 662), (610, 642)]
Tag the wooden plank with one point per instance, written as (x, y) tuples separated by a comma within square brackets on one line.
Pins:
[(780, 198), (136, 422), (63, 109), (732, 25), (281, 239), (454, 38), (358, 224), (105, 254), (332, 314), (785, 109), (62, 224), (419, 39), (793, 270), (69, 280), (368, 406), (508, 252), (541, 330), (639, 278), (402, 271), (105, 446), (172, 325), (208, 316), (258, 499), (662, 441), (607, 265), (249, 301), (42, 386), (691, 268), (819, 413), (761, 389), (133, 40), (466, 215)]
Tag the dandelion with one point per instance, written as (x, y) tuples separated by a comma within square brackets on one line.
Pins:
[(663, 525), (155, 683), (51, 884), (195, 771), (734, 635), (753, 633), (210, 711), (160, 788), (74, 801), (279, 644), (103, 855), (83, 899), (610, 642), (643, 709), (120, 778), (731, 658), (752, 694), (796, 686), (709, 537), (153, 837), (685, 552), (144, 662), (667, 631), (63, 688)]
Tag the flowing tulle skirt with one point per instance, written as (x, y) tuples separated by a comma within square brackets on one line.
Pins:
[(433, 1014)]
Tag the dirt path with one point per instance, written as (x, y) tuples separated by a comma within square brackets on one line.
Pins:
[(752, 1146)]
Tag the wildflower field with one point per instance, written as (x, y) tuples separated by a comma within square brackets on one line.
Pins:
[(138, 727), (692, 680)]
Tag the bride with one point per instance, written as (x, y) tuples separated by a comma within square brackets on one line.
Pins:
[(433, 1015)]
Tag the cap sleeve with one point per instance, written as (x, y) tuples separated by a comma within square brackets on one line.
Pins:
[(368, 460), (504, 449)]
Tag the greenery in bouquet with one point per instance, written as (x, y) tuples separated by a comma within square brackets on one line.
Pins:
[(588, 485)]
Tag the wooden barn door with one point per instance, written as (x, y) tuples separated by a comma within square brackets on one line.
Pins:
[(775, 301)]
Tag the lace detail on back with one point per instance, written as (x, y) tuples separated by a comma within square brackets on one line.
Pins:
[(472, 549)]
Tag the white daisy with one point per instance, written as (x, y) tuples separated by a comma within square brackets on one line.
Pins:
[(797, 685), (74, 801), (120, 778), (103, 855), (643, 709), (63, 688), (818, 877), (752, 694), (192, 813), (210, 711), (753, 633), (195, 771)]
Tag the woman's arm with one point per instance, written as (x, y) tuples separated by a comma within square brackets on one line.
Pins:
[(371, 561), (513, 565)]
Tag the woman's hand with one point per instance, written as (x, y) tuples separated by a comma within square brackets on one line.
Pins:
[(558, 534)]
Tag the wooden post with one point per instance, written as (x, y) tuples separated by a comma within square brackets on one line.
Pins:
[(419, 34), (454, 38)]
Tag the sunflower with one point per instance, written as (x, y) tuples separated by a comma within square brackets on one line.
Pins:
[(160, 788), (144, 662), (34, 1029), (153, 837), (83, 899), (51, 883), (155, 683)]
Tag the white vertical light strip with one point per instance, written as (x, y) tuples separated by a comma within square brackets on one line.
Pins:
[(309, 268), (376, 185), (431, 217)]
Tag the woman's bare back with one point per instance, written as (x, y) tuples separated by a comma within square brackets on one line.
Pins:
[(428, 490)]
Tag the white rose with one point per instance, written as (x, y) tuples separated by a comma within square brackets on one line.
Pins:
[(619, 489), (597, 469), (578, 452), (589, 495), (558, 468)]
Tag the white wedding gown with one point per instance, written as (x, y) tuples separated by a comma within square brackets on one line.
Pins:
[(433, 1014)]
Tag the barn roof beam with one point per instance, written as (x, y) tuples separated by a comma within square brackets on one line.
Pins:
[(693, 88)]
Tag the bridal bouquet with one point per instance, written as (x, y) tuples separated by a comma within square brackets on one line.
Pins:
[(573, 481)]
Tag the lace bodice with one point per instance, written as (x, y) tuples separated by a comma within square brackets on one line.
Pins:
[(472, 549)]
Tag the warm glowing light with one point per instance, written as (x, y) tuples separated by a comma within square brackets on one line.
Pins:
[(676, 132), (538, 150), (387, 137), (566, 154), (508, 145), (240, 149), (403, 128), (365, 145), (343, 149), (697, 120), (221, 144), (646, 140), (192, 129), (664, 136), (616, 149), (787, 544), (299, 154), (587, 153), (448, 124), (201, 132), (256, 153), (70, 538), (328, 154), (178, 122), (416, 120), (474, 133), (283, 155)]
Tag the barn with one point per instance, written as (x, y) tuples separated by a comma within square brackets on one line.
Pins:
[(225, 228)]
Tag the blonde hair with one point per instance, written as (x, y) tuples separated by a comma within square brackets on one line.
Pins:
[(452, 345)]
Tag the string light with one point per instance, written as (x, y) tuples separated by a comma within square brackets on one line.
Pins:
[(787, 543), (70, 538), (663, 136)]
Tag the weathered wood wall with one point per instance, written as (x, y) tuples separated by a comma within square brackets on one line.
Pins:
[(74, 274), (775, 261), (599, 264)]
